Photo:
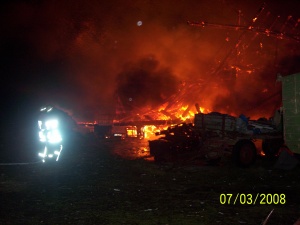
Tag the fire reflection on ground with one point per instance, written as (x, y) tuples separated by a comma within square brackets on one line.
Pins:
[(130, 148)]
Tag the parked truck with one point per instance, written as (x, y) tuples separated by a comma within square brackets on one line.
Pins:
[(213, 134)]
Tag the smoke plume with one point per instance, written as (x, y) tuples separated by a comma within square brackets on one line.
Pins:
[(81, 54)]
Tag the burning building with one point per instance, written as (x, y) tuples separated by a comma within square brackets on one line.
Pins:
[(233, 84), (154, 66)]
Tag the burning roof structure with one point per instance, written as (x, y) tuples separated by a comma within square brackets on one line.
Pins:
[(232, 83), (145, 57)]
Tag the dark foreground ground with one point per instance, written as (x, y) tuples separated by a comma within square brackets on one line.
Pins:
[(111, 183)]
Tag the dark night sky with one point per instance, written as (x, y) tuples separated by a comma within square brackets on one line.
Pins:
[(79, 55)]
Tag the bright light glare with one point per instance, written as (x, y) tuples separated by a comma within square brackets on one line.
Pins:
[(139, 23), (54, 136), (43, 155), (42, 136), (55, 154), (51, 124), (40, 124)]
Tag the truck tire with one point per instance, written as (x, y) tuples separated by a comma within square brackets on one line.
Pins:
[(271, 147), (244, 153)]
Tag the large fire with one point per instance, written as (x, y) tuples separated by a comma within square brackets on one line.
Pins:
[(184, 114), (227, 69)]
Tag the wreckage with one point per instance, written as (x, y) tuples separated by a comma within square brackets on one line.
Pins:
[(214, 134)]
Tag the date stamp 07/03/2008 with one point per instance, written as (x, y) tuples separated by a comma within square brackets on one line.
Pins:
[(252, 199)]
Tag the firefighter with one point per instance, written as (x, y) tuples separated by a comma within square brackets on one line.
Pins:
[(55, 127)]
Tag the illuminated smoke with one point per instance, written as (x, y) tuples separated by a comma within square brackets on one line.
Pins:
[(81, 53)]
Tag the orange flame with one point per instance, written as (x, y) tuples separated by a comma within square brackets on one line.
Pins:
[(183, 113)]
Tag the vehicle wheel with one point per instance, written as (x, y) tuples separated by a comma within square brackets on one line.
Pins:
[(244, 153), (271, 147)]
